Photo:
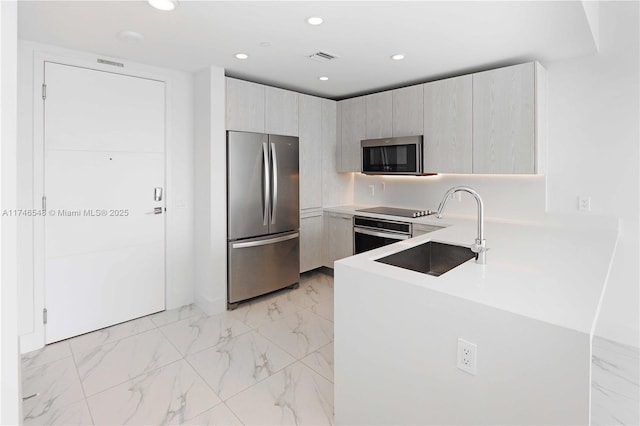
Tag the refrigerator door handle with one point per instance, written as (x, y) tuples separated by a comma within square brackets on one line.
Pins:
[(274, 171), (265, 242), (265, 185)]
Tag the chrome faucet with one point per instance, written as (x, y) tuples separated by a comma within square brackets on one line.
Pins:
[(479, 247)]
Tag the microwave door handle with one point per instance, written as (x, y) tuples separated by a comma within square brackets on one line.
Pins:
[(274, 176), (265, 185)]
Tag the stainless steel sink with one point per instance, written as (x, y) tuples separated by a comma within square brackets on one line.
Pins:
[(431, 258)]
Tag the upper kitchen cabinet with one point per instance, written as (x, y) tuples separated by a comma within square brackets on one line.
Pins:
[(448, 125), (408, 117), (311, 130), (378, 115), (352, 129), (394, 113), (245, 106), (253, 107), (281, 112), (507, 120)]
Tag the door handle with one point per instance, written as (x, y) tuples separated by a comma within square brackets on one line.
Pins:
[(274, 175), (266, 185), (156, 210), (157, 193)]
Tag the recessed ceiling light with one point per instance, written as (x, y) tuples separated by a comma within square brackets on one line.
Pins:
[(323, 78), (241, 56), (163, 4), (315, 20), (130, 36), (398, 57)]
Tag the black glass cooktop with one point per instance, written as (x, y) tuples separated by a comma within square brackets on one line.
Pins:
[(393, 211)]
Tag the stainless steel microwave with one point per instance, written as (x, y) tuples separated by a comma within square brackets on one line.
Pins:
[(392, 156)]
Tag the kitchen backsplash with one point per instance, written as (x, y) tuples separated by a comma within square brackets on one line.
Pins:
[(505, 197)]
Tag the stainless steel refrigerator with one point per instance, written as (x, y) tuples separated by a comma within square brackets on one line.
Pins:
[(263, 215)]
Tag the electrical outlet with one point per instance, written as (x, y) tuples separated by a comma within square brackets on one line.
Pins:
[(467, 356), (457, 196), (383, 186), (372, 189), (584, 203)]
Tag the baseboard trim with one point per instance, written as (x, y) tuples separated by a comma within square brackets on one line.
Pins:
[(211, 307)]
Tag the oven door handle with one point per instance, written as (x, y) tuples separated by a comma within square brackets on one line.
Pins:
[(393, 236)]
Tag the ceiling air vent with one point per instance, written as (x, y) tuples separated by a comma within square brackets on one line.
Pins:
[(115, 64), (322, 56)]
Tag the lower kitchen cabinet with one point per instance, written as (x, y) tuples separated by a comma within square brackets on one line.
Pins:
[(339, 237), (421, 229), (311, 239)]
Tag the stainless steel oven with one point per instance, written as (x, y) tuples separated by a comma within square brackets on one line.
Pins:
[(369, 233)]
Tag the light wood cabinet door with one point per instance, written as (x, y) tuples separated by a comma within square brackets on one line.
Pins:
[(504, 121), (311, 240), (245, 106), (281, 112), (310, 125), (339, 237), (408, 111), (448, 125), (378, 115), (352, 131)]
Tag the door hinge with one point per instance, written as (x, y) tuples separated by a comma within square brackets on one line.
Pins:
[(44, 316), (44, 91)]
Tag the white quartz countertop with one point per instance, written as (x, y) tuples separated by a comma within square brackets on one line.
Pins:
[(553, 270)]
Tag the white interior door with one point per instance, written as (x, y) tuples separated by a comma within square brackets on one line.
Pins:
[(104, 159)]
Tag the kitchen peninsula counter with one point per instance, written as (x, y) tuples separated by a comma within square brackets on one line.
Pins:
[(530, 310), (552, 269)]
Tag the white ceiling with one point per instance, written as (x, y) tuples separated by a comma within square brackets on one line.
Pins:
[(439, 38)]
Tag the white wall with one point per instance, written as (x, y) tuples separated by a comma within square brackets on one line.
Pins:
[(211, 191), (594, 150), (10, 388), (179, 182)]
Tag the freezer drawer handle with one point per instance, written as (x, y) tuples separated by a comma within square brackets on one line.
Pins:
[(265, 242)]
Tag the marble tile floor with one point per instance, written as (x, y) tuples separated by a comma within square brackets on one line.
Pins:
[(269, 362)]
